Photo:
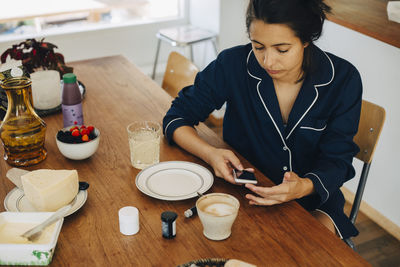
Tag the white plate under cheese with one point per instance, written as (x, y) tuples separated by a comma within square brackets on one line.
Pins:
[(17, 201)]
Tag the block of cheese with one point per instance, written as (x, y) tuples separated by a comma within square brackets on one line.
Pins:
[(49, 190)]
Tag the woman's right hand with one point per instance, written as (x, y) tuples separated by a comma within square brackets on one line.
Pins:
[(222, 161)]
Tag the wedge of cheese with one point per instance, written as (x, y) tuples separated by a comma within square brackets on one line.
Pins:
[(49, 190)]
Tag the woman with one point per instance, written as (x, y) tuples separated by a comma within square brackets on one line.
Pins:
[(292, 111)]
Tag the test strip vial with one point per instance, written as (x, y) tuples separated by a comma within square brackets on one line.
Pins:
[(168, 224)]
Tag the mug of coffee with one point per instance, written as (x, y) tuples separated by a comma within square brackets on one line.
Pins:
[(217, 212)]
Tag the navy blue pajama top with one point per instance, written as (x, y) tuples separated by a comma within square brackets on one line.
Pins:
[(317, 141)]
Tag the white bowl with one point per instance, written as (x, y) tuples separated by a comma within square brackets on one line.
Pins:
[(79, 151), (37, 253)]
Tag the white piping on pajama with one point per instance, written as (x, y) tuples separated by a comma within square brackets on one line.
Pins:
[(269, 114), (315, 99), (337, 229), (314, 129), (166, 127), (327, 192)]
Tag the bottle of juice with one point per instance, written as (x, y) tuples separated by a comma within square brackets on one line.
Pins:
[(71, 101)]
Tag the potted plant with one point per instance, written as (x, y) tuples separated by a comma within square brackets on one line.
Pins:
[(37, 55), (45, 67)]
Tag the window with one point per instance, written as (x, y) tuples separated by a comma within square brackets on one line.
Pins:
[(27, 18)]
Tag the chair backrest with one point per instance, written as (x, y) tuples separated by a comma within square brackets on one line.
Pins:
[(369, 129), (180, 72)]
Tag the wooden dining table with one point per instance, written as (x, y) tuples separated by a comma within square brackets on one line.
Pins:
[(118, 93)]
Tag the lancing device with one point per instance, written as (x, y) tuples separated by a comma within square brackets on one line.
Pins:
[(190, 212), (193, 210)]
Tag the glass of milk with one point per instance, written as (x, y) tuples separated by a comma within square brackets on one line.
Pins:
[(144, 143)]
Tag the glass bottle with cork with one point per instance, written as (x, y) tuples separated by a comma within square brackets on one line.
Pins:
[(71, 101)]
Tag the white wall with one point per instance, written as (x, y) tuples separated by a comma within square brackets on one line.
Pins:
[(379, 66), (204, 14), (233, 23), (224, 17)]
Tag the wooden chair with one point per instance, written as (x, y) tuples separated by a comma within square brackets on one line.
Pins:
[(181, 72), (369, 129)]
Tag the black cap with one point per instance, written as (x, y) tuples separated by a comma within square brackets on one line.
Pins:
[(168, 216)]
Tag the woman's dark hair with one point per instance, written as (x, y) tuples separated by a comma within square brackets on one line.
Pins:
[(304, 17)]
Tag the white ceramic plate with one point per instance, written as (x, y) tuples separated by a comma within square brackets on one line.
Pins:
[(16, 201), (174, 180)]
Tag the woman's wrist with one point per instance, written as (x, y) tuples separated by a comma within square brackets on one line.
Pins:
[(207, 152), (187, 138), (308, 187)]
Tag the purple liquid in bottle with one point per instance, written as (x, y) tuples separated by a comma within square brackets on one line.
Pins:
[(71, 101)]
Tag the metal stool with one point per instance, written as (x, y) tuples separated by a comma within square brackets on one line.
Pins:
[(183, 36)]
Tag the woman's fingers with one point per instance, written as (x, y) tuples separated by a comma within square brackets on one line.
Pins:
[(254, 200), (286, 191), (226, 173), (278, 197), (279, 193), (280, 189), (233, 160), (230, 160), (222, 161)]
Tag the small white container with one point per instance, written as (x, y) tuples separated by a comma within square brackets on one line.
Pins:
[(79, 151), (28, 254), (128, 220)]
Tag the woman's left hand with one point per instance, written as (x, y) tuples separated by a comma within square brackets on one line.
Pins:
[(292, 187)]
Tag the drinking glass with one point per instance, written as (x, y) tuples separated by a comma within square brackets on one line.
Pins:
[(144, 143)]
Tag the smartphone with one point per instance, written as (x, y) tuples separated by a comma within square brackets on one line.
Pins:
[(244, 177)]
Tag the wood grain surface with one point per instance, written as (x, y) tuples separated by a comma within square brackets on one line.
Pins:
[(368, 17), (117, 94)]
